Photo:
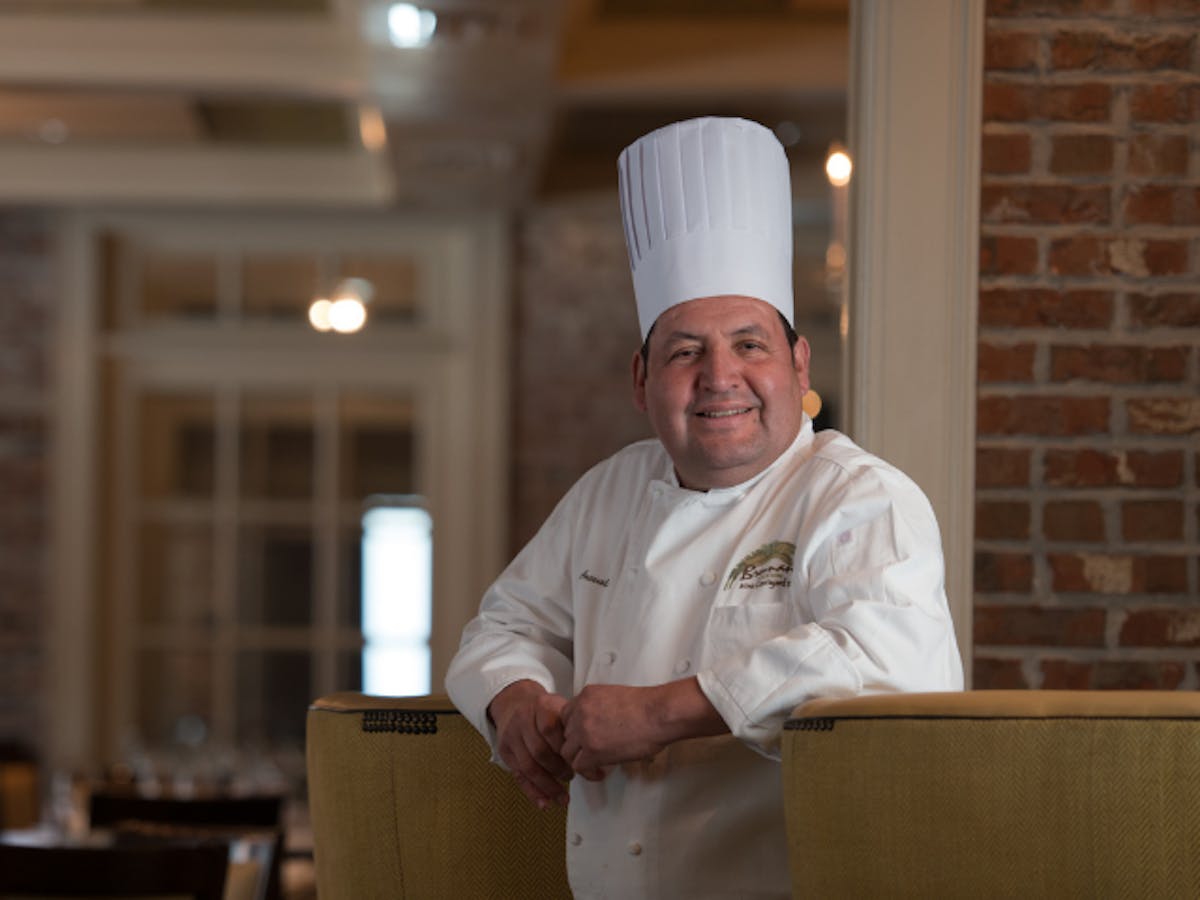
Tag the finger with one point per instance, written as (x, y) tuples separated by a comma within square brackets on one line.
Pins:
[(584, 766), (540, 787), (536, 797), (550, 727), (524, 750), (567, 713), (571, 749), (549, 759), (548, 788), (546, 784)]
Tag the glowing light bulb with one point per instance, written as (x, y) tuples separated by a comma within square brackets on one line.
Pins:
[(318, 314), (838, 168), (347, 315), (410, 26)]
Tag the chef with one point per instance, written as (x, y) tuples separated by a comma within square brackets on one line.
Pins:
[(688, 592)]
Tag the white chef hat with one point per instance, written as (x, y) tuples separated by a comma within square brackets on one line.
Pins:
[(707, 207)]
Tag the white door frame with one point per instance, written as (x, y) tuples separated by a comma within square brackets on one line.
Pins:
[(916, 76)]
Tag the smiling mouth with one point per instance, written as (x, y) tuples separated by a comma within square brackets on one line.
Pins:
[(724, 413)]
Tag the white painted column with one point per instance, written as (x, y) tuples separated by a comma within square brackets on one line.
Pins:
[(914, 244)]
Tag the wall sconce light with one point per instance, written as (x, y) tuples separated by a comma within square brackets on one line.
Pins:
[(346, 313), (838, 167), (318, 314)]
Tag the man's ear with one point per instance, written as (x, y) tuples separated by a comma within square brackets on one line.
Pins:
[(639, 381), (801, 354)]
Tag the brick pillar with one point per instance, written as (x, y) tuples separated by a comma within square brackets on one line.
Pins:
[(575, 333), (25, 298), (1088, 492)]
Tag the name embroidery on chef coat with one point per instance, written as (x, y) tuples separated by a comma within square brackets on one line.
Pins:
[(769, 566)]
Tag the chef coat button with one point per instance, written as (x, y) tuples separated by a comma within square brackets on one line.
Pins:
[(576, 839), (610, 657), (635, 849), (708, 578), (682, 666)]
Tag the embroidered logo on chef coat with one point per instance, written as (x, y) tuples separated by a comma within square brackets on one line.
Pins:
[(768, 566)]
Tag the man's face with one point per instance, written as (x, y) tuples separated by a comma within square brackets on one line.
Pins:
[(722, 389)]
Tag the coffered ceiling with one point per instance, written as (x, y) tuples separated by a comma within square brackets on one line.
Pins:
[(307, 102)]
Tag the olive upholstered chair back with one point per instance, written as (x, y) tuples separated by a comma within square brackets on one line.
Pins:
[(995, 794), (406, 804)]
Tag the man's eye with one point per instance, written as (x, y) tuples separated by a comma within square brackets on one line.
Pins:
[(752, 345), (684, 353)]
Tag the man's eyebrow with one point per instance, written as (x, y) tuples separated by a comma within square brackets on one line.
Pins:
[(750, 329)]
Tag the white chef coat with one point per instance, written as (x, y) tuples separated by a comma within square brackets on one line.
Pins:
[(821, 576)]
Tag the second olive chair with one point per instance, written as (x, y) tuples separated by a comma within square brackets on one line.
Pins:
[(1043, 794)]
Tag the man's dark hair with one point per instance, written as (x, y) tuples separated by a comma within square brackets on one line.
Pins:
[(788, 330)]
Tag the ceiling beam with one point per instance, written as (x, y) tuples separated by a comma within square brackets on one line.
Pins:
[(630, 61), (312, 56), (71, 174)]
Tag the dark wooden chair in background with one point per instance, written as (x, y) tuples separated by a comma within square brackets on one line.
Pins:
[(133, 817), (194, 870), (254, 811)]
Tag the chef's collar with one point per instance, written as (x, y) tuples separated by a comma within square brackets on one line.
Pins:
[(726, 495)]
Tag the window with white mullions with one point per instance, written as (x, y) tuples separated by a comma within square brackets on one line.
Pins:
[(221, 523)]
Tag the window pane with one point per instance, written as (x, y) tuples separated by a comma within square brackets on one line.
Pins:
[(175, 688), (275, 575), (178, 446), (377, 446), (176, 560), (393, 281), (277, 447), (279, 287), (274, 689), (397, 599), (175, 284), (396, 671)]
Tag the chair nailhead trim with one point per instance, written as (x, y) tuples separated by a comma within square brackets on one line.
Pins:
[(811, 725), (403, 721)]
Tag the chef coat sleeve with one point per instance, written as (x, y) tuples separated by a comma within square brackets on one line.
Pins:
[(524, 629), (869, 614)]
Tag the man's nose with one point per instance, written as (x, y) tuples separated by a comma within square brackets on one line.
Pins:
[(720, 371)]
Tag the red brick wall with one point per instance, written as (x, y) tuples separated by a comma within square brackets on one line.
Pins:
[(1088, 500), (25, 300)]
